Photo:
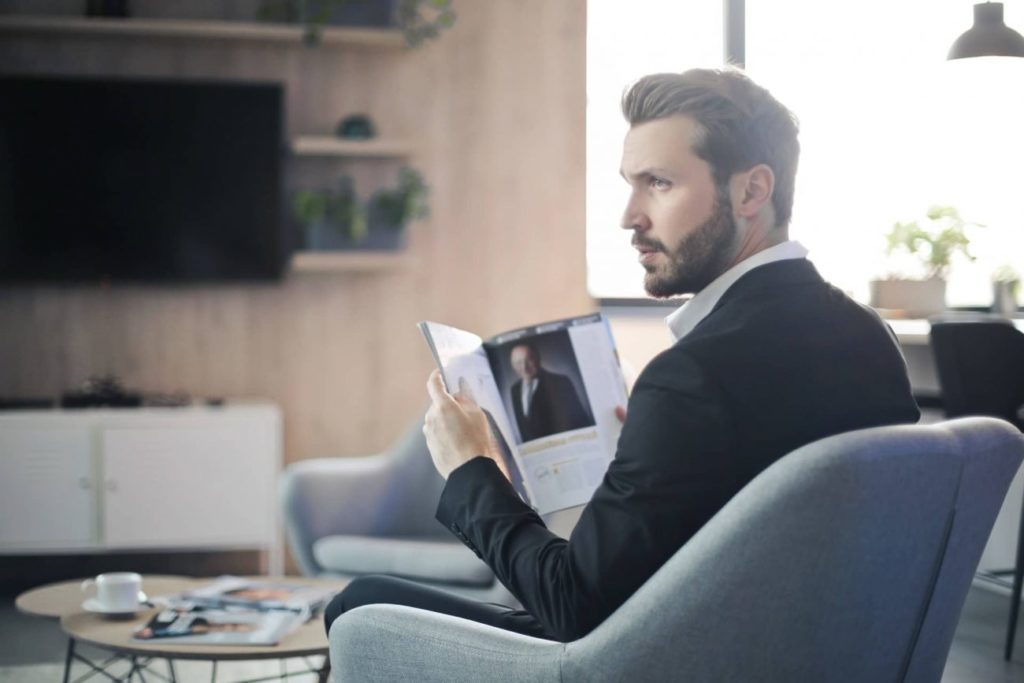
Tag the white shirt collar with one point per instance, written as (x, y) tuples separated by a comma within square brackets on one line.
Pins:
[(682, 320)]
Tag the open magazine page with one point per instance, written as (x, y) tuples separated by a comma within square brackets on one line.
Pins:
[(183, 622), (464, 365), (560, 383), (237, 591)]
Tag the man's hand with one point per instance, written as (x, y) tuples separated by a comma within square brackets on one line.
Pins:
[(620, 412), (456, 429)]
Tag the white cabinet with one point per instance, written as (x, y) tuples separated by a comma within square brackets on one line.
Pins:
[(152, 478), (46, 485)]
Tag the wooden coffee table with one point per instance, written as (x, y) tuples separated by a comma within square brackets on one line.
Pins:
[(64, 601)]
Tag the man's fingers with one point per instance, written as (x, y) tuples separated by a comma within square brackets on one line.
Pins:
[(464, 399), (430, 417), (620, 413), (435, 387), (432, 384)]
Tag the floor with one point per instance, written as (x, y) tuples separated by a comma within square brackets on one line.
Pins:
[(977, 652), (32, 649)]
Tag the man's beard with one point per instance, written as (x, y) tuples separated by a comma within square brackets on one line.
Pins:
[(701, 257)]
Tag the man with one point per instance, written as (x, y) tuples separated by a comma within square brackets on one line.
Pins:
[(544, 402), (768, 357)]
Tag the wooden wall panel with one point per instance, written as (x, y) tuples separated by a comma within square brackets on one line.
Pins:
[(495, 110)]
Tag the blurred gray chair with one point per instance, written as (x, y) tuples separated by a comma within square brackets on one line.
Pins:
[(375, 515), (848, 560), (980, 364)]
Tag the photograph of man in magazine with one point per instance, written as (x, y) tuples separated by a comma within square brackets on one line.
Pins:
[(545, 401)]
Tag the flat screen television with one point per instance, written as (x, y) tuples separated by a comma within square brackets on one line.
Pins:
[(140, 180)]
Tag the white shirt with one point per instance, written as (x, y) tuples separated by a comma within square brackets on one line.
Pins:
[(529, 386), (682, 320)]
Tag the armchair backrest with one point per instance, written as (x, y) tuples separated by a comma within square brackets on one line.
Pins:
[(409, 503), (389, 494), (991, 451), (849, 559)]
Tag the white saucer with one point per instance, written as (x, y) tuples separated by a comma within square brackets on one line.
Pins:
[(96, 607)]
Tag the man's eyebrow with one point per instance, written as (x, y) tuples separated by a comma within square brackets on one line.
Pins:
[(646, 173)]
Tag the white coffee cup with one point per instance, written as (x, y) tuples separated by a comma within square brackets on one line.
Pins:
[(117, 591)]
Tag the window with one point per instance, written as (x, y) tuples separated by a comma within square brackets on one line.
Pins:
[(626, 40), (888, 127)]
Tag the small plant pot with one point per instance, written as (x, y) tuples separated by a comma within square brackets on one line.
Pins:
[(363, 13), (324, 236), (381, 240), (915, 298), (1004, 298)]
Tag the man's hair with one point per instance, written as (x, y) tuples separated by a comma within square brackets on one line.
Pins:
[(739, 124), (529, 347)]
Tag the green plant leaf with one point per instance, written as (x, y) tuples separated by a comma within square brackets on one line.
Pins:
[(934, 242), (358, 228), (310, 206)]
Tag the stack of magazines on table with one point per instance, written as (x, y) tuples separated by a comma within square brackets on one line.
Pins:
[(235, 611)]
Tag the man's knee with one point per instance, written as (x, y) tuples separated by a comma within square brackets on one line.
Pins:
[(362, 590)]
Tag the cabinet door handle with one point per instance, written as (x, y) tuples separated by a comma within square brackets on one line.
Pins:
[(85, 483)]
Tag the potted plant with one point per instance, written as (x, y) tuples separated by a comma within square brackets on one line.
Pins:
[(391, 209), (931, 245), (331, 218), (419, 20), (1005, 283), (338, 219)]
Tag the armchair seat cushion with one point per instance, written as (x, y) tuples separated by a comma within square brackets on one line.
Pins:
[(438, 562)]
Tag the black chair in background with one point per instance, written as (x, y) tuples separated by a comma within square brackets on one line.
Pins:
[(980, 363)]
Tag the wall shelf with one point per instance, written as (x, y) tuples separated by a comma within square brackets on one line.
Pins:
[(348, 261), (286, 35), (325, 145), (199, 29)]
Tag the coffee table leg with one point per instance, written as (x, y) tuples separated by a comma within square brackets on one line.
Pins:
[(325, 671), (68, 659), (170, 670)]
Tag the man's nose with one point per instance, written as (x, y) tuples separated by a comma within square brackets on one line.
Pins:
[(634, 217)]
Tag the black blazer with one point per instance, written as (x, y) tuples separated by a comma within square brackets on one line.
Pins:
[(554, 407), (784, 359)]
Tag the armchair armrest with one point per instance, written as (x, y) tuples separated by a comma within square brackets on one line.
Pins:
[(330, 496), (435, 648)]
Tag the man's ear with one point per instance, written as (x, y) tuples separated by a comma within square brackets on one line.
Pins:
[(752, 191)]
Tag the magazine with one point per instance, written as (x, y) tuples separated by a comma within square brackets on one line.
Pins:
[(189, 623), (233, 610), (549, 392), (260, 594)]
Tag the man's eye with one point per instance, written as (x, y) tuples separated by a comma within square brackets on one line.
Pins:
[(659, 183)]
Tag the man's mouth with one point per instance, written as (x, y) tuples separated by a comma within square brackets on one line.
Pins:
[(647, 258), (647, 252)]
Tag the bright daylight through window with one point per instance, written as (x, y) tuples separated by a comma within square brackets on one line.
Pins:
[(888, 127)]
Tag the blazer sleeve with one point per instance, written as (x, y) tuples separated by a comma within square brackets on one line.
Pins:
[(670, 474)]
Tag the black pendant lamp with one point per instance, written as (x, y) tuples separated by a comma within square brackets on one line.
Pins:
[(989, 37)]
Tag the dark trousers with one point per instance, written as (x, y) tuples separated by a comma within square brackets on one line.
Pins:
[(374, 590)]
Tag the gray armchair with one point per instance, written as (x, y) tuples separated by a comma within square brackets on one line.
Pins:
[(375, 515), (847, 560)]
